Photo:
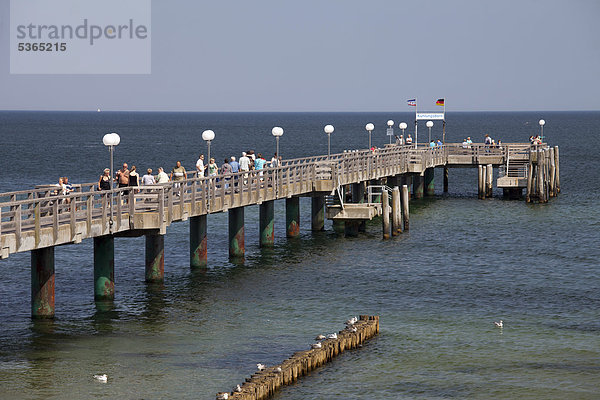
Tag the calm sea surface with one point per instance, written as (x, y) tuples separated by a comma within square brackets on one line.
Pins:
[(438, 289)]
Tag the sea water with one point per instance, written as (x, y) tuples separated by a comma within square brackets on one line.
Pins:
[(438, 288)]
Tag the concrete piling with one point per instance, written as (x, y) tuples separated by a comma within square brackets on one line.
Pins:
[(318, 213), (42, 283), (489, 181), (198, 242), (446, 173), (557, 168), (528, 195), (405, 208), (396, 212), (237, 248), (418, 186), (385, 213), (264, 384), (552, 176), (292, 217), (266, 212), (155, 257), (429, 182), (104, 268), (481, 181)]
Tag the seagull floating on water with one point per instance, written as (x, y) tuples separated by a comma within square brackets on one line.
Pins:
[(238, 388), (499, 324), (261, 366), (316, 345), (332, 336), (101, 378), (320, 337)]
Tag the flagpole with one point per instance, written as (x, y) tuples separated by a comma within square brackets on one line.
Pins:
[(444, 125), (416, 124)]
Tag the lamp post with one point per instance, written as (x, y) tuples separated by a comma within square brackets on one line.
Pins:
[(390, 130), (328, 130), (111, 140), (429, 124), (208, 136), (542, 123), (403, 126), (277, 132), (369, 127)]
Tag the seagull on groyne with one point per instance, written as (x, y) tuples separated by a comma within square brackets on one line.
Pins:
[(260, 366), (351, 328), (499, 324), (332, 336), (320, 337), (352, 321), (101, 378), (278, 370), (238, 388), (316, 345), (222, 396)]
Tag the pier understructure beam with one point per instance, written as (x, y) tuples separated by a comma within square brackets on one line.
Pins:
[(353, 227), (42, 283), (104, 268), (155, 257), (198, 242)]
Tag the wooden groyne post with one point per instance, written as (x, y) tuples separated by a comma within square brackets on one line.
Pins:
[(265, 383)]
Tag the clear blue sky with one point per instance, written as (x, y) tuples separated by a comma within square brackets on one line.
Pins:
[(342, 55)]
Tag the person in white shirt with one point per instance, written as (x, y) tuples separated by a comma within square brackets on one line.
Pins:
[(200, 165), (162, 177), (244, 162)]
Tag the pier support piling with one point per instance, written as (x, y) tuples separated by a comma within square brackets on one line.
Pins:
[(418, 186), (198, 242), (385, 213), (480, 182), (396, 212), (405, 208), (237, 248), (318, 213), (266, 212), (489, 181), (292, 217), (42, 283), (155, 257), (528, 195), (429, 182), (446, 173), (104, 268), (557, 167)]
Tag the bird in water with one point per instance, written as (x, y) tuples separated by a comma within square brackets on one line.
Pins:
[(316, 345), (101, 378), (499, 324), (320, 337), (260, 366)]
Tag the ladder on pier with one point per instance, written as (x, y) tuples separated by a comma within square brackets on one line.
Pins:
[(516, 169)]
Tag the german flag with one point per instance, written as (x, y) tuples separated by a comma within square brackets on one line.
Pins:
[(439, 102)]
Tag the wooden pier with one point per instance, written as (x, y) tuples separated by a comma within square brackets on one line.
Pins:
[(38, 220)]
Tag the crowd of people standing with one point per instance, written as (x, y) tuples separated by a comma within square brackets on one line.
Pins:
[(126, 177)]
